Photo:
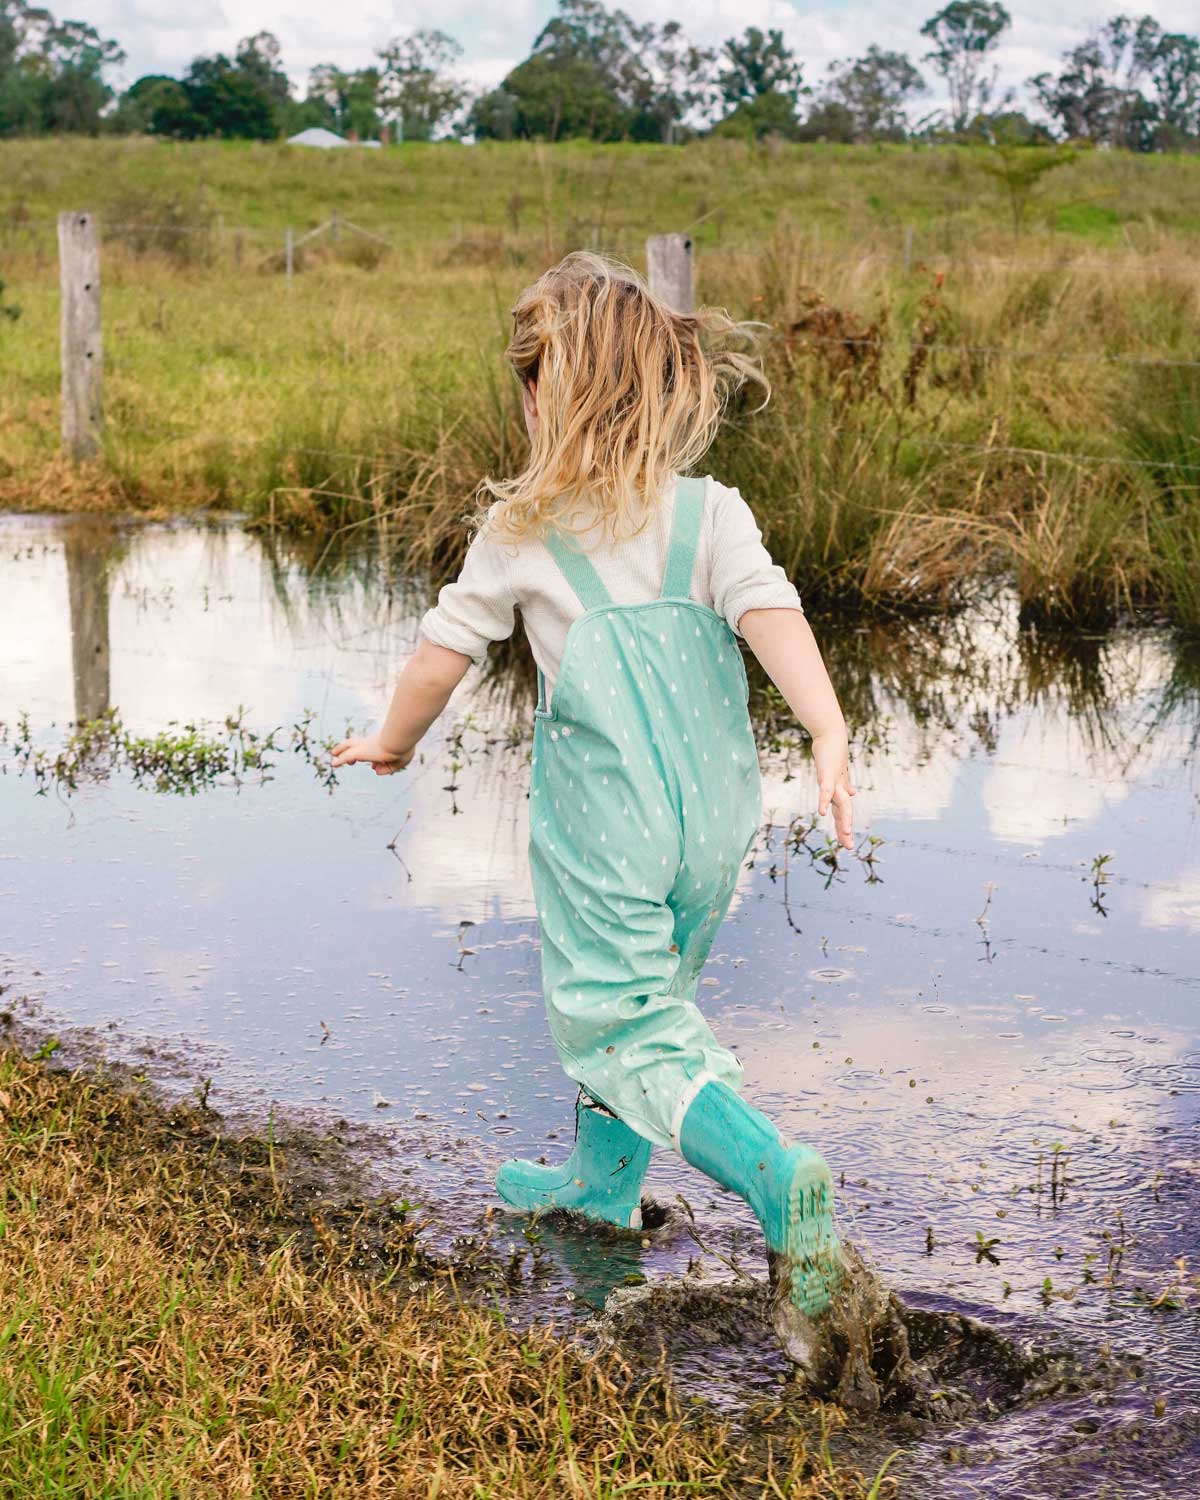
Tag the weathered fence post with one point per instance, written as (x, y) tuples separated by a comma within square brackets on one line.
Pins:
[(669, 264), (289, 256), (82, 351)]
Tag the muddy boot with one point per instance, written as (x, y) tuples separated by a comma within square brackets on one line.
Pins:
[(601, 1179), (791, 1192)]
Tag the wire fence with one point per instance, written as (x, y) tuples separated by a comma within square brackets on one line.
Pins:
[(865, 342), (855, 345), (912, 257)]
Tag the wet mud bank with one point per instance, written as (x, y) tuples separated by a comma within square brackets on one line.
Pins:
[(226, 1312), (905, 1385)]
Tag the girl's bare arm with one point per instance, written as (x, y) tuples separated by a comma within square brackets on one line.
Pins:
[(422, 692), (783, 641)]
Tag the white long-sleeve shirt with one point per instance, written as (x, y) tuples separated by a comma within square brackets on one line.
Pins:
[(733, 573)]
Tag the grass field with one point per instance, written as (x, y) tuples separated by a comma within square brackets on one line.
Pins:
[(188, 1312), (926, 353)]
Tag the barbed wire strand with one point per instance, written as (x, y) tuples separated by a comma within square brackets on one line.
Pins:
[(1079, 458), (994, 450), (1144, 262), (1087, 356)]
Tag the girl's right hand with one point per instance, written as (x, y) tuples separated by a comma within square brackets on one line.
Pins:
[(370, 750)]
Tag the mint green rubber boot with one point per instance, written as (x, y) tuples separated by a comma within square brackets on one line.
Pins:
[(788, 1187), (601, 1179)]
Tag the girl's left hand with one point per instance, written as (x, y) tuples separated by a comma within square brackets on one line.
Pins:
[(830, 752), (370, 750)]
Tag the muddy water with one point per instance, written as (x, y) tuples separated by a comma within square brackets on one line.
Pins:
[(994, 1039)]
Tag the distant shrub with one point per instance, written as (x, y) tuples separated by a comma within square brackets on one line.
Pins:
[(148, 221)]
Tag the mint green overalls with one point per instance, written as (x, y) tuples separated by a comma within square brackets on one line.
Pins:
[(644, 799)]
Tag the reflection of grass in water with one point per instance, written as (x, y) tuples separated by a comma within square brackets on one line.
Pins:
[(970, 671), (194, 1311), (181, 759)]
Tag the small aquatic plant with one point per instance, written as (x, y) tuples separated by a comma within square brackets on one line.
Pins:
[(180, 759), (1100, 877)]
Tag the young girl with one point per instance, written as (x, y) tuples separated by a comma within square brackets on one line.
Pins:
[(633, 584)]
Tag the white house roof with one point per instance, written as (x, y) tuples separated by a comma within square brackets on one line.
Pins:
[(316, 135)]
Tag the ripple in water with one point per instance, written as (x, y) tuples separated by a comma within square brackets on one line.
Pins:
[(1182, 1077)]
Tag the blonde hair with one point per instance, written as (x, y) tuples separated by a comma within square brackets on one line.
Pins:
[(628, 391)]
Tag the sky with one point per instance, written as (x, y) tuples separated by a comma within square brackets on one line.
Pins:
[(162, 36)]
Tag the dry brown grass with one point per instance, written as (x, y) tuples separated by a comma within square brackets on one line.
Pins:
[(177, 1323)]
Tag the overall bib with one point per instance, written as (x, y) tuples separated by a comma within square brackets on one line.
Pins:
[(644, 799)]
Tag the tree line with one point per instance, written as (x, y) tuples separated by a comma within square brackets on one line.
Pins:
[(594, 72)]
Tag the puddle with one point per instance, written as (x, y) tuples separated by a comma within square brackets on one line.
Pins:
[(988, 1027)]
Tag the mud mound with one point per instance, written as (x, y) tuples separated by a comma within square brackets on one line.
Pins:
[(871, 1353)]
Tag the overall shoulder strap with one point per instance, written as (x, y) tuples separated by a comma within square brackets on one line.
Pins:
[(685, 534), (577, 570)]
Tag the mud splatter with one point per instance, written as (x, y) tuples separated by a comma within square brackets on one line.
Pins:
[(872, 1354)]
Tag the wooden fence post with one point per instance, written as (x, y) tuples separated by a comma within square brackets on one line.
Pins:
[(82, 351), (669, 264)]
